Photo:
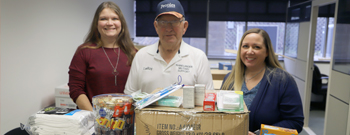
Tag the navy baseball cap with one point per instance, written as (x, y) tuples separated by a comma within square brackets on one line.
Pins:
[(171, 7)]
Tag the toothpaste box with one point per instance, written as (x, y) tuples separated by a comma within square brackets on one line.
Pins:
[(274, 130), (62, 91), (199, 94), (65, 103), (209, 102), (188, 97)]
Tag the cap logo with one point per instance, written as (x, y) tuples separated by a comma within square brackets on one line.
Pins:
[(169, 5)]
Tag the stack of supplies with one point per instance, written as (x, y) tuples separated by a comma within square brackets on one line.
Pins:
[(60, 121), (200, 120)]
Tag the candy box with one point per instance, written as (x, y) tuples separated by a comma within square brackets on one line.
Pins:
[(274, 130), (209, 102)]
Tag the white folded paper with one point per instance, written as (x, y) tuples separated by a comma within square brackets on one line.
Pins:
[(77, 122)]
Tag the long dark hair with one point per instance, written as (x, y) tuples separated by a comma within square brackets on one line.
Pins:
[(123, 39)]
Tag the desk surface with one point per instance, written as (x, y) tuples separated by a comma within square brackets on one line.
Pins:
[(217, 84), (219, 72)]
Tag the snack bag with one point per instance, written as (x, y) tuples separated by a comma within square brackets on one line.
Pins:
[(114, 114)]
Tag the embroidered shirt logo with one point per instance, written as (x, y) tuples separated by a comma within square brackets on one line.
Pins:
[(147, 68), (169, 5), (184, 68)]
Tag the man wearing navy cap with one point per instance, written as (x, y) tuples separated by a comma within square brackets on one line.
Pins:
[(160, 65)]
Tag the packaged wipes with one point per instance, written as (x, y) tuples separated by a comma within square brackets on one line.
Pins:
[(230, 101)]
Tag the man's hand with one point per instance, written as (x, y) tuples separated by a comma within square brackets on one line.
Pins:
[(251, 133)]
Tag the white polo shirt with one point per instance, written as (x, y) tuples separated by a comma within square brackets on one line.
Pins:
[(149, 70)]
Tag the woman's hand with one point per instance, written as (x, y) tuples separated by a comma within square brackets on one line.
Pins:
[(250, 133), (83, 102)]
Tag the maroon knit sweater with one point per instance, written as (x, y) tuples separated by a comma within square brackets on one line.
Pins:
[(90, 72)]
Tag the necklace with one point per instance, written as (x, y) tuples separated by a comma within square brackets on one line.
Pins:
[(254, 75), (115, 72)]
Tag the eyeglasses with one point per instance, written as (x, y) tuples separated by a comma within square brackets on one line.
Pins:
[(173, 23)]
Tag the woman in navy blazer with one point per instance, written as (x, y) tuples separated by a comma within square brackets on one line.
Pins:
[(270, 93)]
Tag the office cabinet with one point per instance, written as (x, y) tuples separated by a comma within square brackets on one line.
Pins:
[(337, 117)]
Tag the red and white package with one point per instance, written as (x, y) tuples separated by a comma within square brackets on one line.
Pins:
[(209, 102)]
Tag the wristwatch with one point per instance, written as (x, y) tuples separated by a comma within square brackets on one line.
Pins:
[(257, 132)]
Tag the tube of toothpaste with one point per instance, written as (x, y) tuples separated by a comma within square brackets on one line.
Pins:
[(156, 96), (170, 101)]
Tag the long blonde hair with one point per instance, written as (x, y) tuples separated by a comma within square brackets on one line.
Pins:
[(235, 79), (123, 39)]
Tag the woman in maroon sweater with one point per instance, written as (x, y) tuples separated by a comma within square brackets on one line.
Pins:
[(102, 63)]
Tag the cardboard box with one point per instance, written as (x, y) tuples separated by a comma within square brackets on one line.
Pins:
[(273, 130), (156, 120), (62, 98), (65, 102), (62, 91)]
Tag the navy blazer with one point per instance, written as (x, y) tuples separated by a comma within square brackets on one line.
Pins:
[(277, 102)]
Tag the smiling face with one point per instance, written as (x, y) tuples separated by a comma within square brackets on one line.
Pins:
[(109, 25), (168, 34), (253, 51)]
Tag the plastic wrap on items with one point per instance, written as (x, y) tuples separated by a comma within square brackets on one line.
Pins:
[(167, 121), (60, 121), (171, 101), (114, 114), (138, 95), (157, 96), (230, 101)]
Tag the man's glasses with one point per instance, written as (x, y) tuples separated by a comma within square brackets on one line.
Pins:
[(172, 23)]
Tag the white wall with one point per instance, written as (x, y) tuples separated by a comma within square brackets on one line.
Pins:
[(38, 39)]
